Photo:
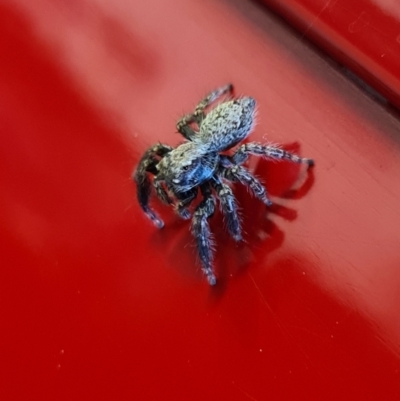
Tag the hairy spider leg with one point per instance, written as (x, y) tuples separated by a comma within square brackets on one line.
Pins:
[(161, 193), (183, 124), (228, 207), (210, 98), (201, 232), (147, 164), (272, 152), (185, 199), (242, 175)]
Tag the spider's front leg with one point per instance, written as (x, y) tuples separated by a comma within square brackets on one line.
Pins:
[(202, 234), (147, 164), (229, 208), (183, 125), (161, 192), (273, 152), (184, 200)]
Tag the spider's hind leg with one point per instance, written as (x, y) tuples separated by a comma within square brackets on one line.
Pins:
[(183, 125), (229, 208), (201, 231), (147, 165), (211, 97)]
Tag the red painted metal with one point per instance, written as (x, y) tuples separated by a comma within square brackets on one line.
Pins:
[(98, 304), (364, 35)]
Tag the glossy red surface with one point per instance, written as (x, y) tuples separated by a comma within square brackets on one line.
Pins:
[(98, 304), (364, 35)]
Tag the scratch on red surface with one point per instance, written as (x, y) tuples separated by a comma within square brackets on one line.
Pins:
[(263, 299), (389, 345), (316, 17), (286, 335), (244, 392)]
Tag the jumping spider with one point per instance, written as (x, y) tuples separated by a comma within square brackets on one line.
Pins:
[(198, 164)]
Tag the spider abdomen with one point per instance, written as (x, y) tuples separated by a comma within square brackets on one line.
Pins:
[(227, 125)]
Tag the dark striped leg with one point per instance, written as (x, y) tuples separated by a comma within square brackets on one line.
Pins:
[(161, 192), (183, 125), (229, 209), (212, 97), (202, 234), (253, 148), (147, 164), (184, 200), (240, 174)]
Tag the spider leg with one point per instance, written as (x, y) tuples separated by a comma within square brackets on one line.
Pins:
[(254, 148), (183, 125), (211, 97), (161, 193), (242, 175), (229, 208), (185, 199), (201, 231), (147, 164)]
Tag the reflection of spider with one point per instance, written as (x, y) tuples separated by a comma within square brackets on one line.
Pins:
[(198, 164)]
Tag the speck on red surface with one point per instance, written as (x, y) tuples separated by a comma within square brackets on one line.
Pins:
[(98, 304)]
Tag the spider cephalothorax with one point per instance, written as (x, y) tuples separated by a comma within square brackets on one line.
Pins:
[(197, 164), (186, 167)]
